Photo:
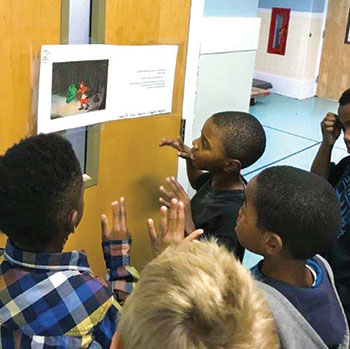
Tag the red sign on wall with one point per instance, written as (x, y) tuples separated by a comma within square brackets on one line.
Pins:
[(278, 30)]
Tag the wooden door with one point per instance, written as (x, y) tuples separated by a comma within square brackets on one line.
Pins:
[(131, 163), (25, 25), (334, 76)]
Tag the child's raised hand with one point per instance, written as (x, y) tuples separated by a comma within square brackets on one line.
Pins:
[(184, 151), (171, 227), (331, 128), (119, 229), (178, 192)]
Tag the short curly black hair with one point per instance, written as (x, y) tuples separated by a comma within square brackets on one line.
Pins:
[(243, 136), (345, 98), (299, 206), (40, 182)]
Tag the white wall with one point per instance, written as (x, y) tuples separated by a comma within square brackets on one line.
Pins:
[(226, 66), (224, 83), (293, 74)]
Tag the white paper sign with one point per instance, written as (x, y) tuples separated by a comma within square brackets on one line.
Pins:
[(87, 84)]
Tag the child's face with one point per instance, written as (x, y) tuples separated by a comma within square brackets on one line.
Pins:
[(249, 235), (344, 118), (208, 150)]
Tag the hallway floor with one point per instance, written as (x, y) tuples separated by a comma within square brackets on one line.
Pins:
[(293, 134)]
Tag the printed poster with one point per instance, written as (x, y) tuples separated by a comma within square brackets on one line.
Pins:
[(80, 85)]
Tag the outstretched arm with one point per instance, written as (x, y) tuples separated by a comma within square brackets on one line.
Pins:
[(171, 228), (184, 151), (331, 128), (116, 243)]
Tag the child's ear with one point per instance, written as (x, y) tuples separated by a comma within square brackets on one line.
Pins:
[(72, 220), (232, 165), (272, 243)]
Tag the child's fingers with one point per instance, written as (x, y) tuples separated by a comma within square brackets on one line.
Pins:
[(331, 116), (180, 219), (105, 228), (185, 155), (116, 215), (172, 220), (329, 123), (175, 190), (163, 222), (167, 193), (151, 230), (164, 202), (172, 185), (329, 129), (177, 187), (194, 235), (123, 214), (171, 142), (180, 141), (179, 191)]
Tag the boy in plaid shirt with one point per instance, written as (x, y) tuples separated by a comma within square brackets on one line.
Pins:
[(50, 298)]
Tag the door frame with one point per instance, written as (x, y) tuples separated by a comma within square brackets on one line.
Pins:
[(190, 84), (320, 49)]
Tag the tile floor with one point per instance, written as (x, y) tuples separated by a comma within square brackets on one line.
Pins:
[(293, 135)]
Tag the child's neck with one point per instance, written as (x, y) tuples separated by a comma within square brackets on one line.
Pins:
[(55, 247), (227, 181), (291, 271)]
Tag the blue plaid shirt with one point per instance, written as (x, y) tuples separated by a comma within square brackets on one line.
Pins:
[(53, 300)]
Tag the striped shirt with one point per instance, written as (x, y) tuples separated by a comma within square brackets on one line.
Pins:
[(53, 300)]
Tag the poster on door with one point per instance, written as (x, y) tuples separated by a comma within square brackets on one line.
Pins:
[(81, 85)]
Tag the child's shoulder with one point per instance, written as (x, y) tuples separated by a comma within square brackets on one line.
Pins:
[(337, 170), (53, 296), (301, 313)]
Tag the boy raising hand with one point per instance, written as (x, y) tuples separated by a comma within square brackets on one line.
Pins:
[(339, 177), (229, 142)]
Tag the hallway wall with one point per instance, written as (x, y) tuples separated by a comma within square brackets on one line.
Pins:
[(293, 74), (230, 8)]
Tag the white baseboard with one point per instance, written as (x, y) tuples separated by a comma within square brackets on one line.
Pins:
[(290, 87)]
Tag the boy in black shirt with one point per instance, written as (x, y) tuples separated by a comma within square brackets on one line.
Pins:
[(230, 141), (339, 177)]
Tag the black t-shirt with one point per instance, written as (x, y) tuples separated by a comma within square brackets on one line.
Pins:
[(339, 254), (216, 213)]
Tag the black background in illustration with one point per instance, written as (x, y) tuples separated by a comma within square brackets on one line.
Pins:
[(93, 73)]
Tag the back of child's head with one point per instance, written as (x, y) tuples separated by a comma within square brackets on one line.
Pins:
[(40, 182), (243, 136), (345, 98), (196, 295), (300, 207)]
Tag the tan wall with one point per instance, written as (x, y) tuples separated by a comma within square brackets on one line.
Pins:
[(300, 59), (25, 25)]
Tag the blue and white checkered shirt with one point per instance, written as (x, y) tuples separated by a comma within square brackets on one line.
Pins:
[(53, 300)]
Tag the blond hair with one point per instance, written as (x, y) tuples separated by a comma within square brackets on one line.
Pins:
[(193, 296)]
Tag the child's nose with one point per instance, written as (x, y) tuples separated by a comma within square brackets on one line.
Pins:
[(195, 143)]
